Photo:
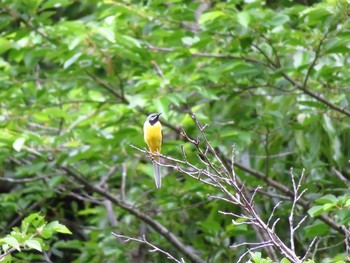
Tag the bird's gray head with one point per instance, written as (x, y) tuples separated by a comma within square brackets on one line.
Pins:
[(153, 118)]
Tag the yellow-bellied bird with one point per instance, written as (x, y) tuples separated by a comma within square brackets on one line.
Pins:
[(152, 132)]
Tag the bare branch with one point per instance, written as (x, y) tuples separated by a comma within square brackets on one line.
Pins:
[(274, 224), (255, 191), (110, 213), (22, 180), (309, 248), (209, 55), (236, 215), (105, 178), (154, 248), (273, 212), (250, 244), (8, 252), (107, 87), (317, 54), (284, 189), (296, 187), (158, 69), (341, 177), (216, 175), (316, 96), (254, 248), (139, 214)]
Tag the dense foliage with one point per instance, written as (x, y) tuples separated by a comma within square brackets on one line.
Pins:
[(78, 79)]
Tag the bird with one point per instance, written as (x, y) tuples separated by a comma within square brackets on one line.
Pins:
[(152, 132)]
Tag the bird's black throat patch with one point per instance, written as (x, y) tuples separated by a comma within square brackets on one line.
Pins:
[(154, 120)]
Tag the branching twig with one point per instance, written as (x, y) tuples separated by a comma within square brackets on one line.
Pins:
[(297, 195), (8, 252), (139, 214), (308, 250), (225, 181), (262, 245), (317, 54), (269, 64), (154, 248), (107, 87), (284, 189), (273, 212)]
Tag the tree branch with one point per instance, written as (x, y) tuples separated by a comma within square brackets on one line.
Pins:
[(284, 189), (154, 248), (270, 64), (145, 218), (311, 66), (316, 96)]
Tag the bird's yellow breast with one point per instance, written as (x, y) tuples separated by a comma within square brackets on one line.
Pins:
[(153, 136)]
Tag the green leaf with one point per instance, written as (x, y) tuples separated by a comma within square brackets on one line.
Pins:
[(135, 42), (328, 207), (18, 144), (328, 125), (107, 33), (314, 104), (315, 15), (243, 18), (57, 227), (284, 260), (34, 219), (54, 3), (318, 228), (316, 210), (279, 20), (347, 203), (56, 112), (189, 41), (7, 259), (34, 244), (162, 106), (4, 45), (337, 45), (209, 16), (327, 199), (237, 229), (72, 60), (11, 241), (241, 69)]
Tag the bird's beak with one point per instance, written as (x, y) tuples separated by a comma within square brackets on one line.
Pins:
[(159, 114)]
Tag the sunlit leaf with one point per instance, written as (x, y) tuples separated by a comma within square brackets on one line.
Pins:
[(11, 241), (243, 18), (34, 244), (209, 16), (18, 144)]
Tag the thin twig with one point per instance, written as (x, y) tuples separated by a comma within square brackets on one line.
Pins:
[(297, 196), (122, 190), (253, 248), (158, 69), (309, 248), (154, 248), (273, 212), (317, 54), (22, 180), (166, 233), (341, 177)]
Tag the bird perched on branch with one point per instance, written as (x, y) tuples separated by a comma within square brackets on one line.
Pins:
[(152, 131)]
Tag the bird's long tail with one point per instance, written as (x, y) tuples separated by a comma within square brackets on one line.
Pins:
[(157, 175)]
